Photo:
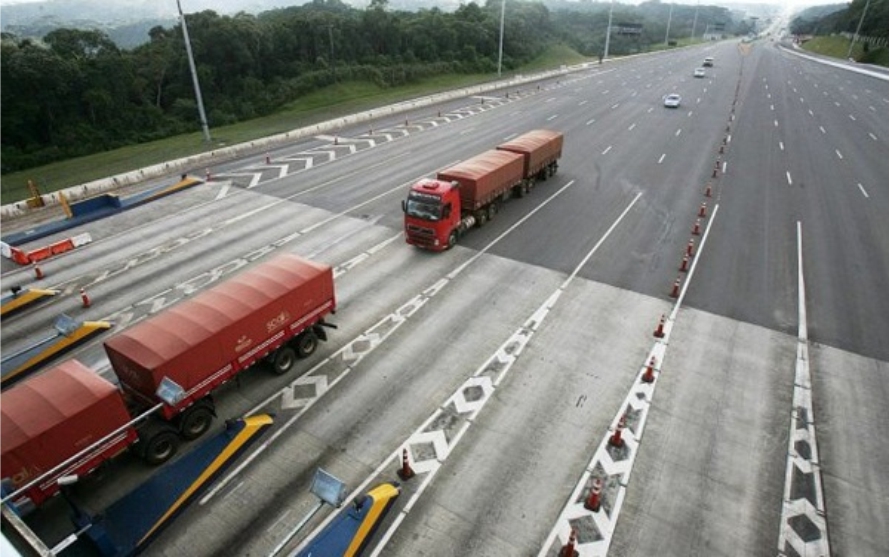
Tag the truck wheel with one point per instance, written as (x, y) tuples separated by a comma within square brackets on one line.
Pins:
[(160, 446), (306, 344), (492, 211), (452, 240), (195, 421), (283, 360), (481, 218)]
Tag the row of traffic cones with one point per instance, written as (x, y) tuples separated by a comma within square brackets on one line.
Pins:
[(593, 501)]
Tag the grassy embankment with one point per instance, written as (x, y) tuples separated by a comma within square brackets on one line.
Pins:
[(332, 102), (837, 46)]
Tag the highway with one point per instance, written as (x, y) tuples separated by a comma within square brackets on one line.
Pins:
[(513, 368)]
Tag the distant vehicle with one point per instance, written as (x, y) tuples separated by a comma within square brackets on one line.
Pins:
[(672, 100), (699, 72), (709, 62)]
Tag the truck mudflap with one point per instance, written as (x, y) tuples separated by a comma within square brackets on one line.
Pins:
[(129, 525)]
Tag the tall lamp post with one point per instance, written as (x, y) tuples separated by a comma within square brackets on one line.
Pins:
[(668, 32), (608, 30), (188, 50), (858, 28), (501, 40), (694, 21)]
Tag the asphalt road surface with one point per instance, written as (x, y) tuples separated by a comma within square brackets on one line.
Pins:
[(512, 368)]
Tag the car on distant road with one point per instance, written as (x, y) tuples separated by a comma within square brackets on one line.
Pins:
[(709, 62), (698, 72), (672, 100)]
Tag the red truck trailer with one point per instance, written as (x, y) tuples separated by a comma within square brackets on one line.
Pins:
[(167, 368), (52, 417), (438, 212), (541, 149), (274, 311)]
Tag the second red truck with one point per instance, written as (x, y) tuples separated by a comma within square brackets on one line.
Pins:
[(69, 419), (438, 212)]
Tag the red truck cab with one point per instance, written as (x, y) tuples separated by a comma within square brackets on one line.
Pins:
[(432, 214)]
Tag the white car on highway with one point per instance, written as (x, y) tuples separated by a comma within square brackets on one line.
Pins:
[(672, 100), (698, 72)]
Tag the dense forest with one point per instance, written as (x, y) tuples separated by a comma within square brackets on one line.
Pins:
[(74, 92), (844, 18)]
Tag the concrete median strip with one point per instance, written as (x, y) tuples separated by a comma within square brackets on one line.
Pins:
[(612, 463), (804, 530)]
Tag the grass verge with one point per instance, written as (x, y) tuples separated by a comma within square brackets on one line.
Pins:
[(837, 46), (332, 102)]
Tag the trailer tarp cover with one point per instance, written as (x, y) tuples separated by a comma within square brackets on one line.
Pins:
[(198, 337), (53, 415), (540, 146)]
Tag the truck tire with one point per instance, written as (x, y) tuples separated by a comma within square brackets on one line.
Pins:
[(452, 239), (283, 360), (306, 343), (195, 421), (158, 443), (481, 218), (492, 210)]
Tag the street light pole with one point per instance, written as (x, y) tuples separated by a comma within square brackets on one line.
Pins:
[(668, 32), (501, 40), (858, 28), (188, 50), (331, 38), (608, 30), (694, 21)]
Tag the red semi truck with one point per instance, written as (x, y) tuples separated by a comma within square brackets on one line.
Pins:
[(167, 368), (438, 212)]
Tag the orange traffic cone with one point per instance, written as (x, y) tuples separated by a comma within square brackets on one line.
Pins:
[(405, 472)]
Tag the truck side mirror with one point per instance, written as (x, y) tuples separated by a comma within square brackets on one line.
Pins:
[(446, 211), (404, 206)]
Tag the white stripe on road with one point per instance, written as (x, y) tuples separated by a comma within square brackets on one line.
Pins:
[(862, 189), (803, 476)]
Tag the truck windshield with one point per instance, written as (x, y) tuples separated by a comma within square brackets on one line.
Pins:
[(423, 206)]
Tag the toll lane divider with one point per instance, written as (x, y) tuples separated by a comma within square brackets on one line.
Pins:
[(300, 395), (95, 208), (589, 530), (431, 444)]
